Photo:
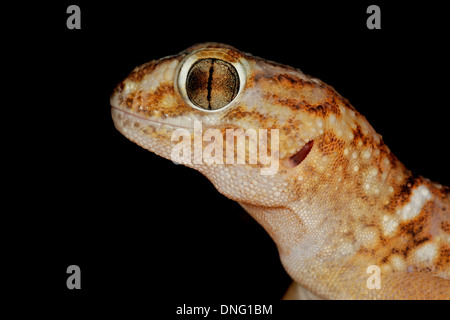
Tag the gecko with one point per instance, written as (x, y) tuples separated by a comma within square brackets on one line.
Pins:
[(339, 205)]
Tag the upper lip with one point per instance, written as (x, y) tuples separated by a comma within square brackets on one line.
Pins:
[(152, 120)]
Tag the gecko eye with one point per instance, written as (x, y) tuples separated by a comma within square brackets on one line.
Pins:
[(211, 79), (212, 84)]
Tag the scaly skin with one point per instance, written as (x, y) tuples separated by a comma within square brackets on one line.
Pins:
[(349, 204)]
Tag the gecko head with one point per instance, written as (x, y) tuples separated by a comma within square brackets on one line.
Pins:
[(244, 122)]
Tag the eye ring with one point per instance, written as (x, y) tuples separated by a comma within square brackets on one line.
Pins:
[(211, 80)]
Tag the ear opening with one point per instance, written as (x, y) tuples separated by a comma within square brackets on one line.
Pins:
[(298, 157)]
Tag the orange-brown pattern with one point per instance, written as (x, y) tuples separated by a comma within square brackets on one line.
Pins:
[(347, 204)]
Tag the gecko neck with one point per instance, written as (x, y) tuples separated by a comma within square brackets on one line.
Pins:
[(331, 221)]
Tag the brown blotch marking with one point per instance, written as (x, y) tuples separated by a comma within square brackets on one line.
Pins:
[(292, 81), (411, 234), (323, 110), (234, 55), (415, 227), (367, 140), (403, 251), (365, 251), (287, 129), (240, 112), (381, 239), (444, 256), (336, 96), (445, 226), (399, 251), (415, 231), (358, 135), (406, 188), (418, 242), (133, 99), (149, 104), (153, 100), (237, 113), (138, 98), (318, 111), (287, 81), (292, 104), (129, 101), (330, 144), (403, 191), (333, 107)]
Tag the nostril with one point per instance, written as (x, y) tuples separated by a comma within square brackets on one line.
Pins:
[(298, 157)]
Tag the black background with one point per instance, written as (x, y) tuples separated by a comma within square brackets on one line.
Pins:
[(142, 227)]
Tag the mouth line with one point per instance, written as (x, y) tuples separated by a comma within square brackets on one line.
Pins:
[(150, 120)]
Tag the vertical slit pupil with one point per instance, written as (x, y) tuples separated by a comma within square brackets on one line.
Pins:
[(212, 83), (210, 78)]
